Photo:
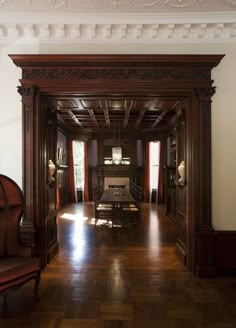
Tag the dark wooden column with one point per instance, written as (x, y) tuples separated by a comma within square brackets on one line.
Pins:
[(34, 164), (204, 232), (28, 95)]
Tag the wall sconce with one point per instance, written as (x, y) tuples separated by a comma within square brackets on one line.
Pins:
[(116, 155)]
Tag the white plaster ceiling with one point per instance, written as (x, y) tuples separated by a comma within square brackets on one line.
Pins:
[(118, 21)]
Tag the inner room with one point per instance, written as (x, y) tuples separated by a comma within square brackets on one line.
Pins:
[(144, 129)]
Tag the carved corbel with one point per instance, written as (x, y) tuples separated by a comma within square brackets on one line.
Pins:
[(205, 94)]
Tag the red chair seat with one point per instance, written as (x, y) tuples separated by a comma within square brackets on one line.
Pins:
[(17, 265), (13, 267)]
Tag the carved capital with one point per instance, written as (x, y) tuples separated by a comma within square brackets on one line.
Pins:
[(26, 92), (205, 94)]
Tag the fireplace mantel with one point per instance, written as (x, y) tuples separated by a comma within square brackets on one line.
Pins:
[(117, 170), (100, 172)]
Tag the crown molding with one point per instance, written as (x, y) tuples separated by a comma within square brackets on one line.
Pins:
[(116, 6), (132, 18), (102, 28)]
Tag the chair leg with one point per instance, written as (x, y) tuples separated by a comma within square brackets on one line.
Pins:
[(36, 287)]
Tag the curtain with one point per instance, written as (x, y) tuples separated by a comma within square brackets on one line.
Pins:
[(160, 190), (86, 185), (71, 176), (147, 174)]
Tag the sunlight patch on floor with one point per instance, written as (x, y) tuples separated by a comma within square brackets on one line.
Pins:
[(73, 217)]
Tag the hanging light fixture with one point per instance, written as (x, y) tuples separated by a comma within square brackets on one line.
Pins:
[(116, 151), (116, 155)]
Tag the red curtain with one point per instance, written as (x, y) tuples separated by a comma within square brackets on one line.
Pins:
[(160, 192), (86, 186), (146, 194), (71, 177)]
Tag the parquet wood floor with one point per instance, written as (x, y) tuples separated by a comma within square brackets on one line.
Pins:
[(120, 278)]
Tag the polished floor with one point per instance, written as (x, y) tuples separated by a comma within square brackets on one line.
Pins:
[(120, 278)]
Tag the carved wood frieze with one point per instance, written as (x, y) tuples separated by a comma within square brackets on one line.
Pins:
[(92, 74)]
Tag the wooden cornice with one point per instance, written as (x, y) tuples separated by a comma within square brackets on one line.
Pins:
[(35, 61)]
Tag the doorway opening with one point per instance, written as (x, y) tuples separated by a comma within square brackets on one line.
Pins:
[(174, 83)]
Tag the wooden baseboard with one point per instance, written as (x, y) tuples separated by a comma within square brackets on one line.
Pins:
[(206, 272), (225, 252), (205, 263)]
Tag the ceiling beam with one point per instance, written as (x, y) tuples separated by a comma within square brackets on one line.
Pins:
[(62, 122), (106, 112), (127, 112), (93, 118), (74, 118), (139, 120), (159, 118)]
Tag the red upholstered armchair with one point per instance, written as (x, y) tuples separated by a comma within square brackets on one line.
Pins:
[(17, 264)]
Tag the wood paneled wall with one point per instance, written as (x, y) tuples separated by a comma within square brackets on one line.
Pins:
[(51, 190), (62, 168), (176, 191)]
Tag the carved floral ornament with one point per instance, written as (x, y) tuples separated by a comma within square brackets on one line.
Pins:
[(5, 2), (114, 3)]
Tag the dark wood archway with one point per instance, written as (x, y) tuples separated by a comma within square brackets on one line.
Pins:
[(185, 76)]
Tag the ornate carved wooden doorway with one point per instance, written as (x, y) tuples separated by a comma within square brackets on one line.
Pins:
[(182, 76)]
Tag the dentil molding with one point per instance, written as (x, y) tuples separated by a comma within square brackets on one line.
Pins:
[(118, 28)]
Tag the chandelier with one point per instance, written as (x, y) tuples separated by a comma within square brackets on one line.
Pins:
[(116, 155), (116, 150)]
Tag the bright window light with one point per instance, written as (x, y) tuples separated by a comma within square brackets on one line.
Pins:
[(78, 155), (154, 164)]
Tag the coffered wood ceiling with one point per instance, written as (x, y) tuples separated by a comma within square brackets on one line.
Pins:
[(95, 114)]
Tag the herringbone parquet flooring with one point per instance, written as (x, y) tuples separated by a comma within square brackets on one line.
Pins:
[(120, 278)]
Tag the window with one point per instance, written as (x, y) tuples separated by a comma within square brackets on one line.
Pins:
[(78, 155), (154, 164)]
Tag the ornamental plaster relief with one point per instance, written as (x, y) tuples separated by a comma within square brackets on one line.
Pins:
[(100, 6), (230, 2), (172, 3), (5, 2)]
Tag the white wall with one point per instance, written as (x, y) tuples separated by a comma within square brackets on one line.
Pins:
[(223, 112), (10, 111)]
